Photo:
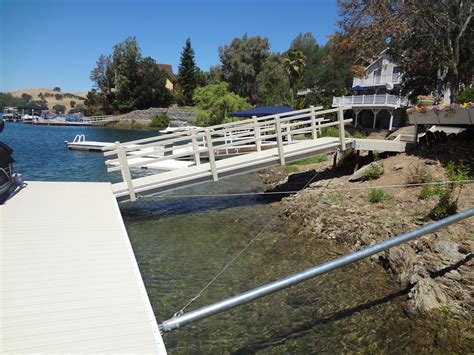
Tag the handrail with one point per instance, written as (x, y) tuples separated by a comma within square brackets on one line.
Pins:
[(213, 140), (264, 290)]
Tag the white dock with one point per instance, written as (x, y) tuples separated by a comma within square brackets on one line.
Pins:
[(69, 279)]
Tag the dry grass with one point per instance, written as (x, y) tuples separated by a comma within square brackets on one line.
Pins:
[(66, 101)]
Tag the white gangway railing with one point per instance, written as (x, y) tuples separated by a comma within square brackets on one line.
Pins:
[(196, 144)]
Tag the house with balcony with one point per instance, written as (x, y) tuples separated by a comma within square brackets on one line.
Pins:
[(375, 101)]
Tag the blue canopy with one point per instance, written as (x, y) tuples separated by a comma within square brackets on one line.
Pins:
[(358, 88), (262, 111)]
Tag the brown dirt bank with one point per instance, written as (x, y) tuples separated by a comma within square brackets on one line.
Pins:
[(438, 266)]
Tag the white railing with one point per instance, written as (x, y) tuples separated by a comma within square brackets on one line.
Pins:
[(95, 119), (370, 100), (196, 144), (394, 78)]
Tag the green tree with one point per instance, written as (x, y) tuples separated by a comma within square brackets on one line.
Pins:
[(8, 100), (432, 40), (187, 75), (305, 43), (242, 61), (216, 103), (151, 89), (57, 88), (104, 81), (59, 108), (273, 86), (294, 62), (126, 59), (26, 97)]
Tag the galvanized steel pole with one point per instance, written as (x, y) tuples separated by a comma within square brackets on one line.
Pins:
[(278, 285)]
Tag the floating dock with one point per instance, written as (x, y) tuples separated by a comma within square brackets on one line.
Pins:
[(69, 279)]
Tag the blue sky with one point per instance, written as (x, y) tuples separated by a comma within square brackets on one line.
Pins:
[(47, 43)]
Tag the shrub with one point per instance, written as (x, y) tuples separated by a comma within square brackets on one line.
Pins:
[(448, 204), (58, 97), (376, 195), (57, 88), (374, 172), (160, 121), (72, 103), (428, 192), (466, 95), (418, 174), (59, 108), (359, 134)]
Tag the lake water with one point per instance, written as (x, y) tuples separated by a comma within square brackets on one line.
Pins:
[(181, 243)]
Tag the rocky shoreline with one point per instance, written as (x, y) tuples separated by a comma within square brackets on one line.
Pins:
[(140, 119), (437, 268)]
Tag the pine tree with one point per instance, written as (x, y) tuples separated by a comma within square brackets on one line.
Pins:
[(187, 75)]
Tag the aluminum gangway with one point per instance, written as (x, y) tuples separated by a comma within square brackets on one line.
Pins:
[(260, 133)]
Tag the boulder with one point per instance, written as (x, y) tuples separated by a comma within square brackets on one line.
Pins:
[(361, 174)]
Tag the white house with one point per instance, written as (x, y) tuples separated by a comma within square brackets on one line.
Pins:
[(375, 100)]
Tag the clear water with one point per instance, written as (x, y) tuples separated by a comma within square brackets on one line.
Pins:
[(181, 243)]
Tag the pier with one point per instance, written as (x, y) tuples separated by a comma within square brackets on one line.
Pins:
[(69, 279)]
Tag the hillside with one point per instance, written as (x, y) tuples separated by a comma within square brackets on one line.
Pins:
[(53, 97)]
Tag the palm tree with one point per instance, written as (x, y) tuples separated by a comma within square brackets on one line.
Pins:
[(294, 62)]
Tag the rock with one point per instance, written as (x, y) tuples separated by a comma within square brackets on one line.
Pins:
[(398, 167), (454, 275), (431, 162), (362, 172), (449, 250)]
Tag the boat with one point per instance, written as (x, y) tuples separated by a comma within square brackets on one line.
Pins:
[(11, 114)]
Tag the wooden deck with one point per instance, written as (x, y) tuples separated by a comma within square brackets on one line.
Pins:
[(69, 279)]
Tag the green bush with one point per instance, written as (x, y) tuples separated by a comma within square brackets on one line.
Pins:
[(160, 121), (329, 132), (359, 134), (448, 204), (374, 172), (428, 192), (376, 195), (466, 95)]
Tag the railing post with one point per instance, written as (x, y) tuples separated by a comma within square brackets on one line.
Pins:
[(125, 170), (212, 158), (342, 134), (256, 129), (314, 131), (197, 157), (281, 152)]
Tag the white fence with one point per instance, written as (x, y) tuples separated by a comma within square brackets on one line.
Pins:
[(98, 119), (370, 100), (195, 144)]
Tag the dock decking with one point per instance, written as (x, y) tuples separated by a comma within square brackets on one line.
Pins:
[(69, 279)]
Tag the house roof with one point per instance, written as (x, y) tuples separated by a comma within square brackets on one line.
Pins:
[(168, 69)]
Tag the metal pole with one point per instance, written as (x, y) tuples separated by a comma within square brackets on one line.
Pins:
[(294, 279)]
